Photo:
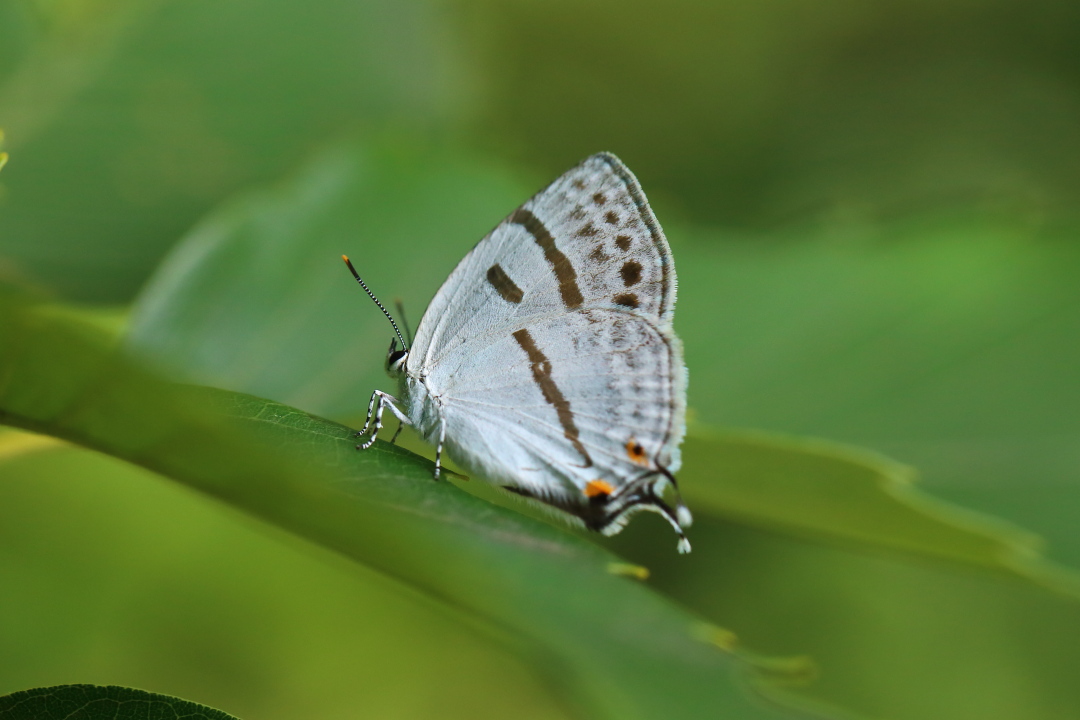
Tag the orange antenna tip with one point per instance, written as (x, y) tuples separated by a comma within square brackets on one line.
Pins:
[(372, 296)]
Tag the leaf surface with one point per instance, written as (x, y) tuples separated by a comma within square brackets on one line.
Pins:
[(619, 649), (97, 702)]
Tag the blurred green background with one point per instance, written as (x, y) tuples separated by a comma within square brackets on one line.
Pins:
[(872, 209)]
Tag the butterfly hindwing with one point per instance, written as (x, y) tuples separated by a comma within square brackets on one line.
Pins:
[(592, 395)]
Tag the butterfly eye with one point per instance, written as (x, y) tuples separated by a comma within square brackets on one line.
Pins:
[(395, 360)]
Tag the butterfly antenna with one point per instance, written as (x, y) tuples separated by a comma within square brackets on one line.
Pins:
[(372, 296), (400, 307)]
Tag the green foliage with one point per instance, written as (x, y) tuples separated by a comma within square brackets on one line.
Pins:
[(946, 341), (903, 278), (793, 525), (94, 702), (142, 115), (404, 217), (820, 490), (751, 114), (231, 308), (618, 648)]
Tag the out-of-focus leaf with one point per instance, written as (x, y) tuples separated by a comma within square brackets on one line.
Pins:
[(617, 648), (176, 592), (257, 299), (101, 702), (822, 491), (892, 635), (131, 119), (751, 112), (909, 606), (949, 343)]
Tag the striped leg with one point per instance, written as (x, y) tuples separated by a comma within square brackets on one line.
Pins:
[(379, 402), (438, 449), (370, 410)]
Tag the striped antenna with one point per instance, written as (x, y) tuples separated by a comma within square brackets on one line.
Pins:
[(372, 296), (400, 307)]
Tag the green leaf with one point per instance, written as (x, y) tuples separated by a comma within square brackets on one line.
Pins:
[(256, 298), (947, 342), (113, 574), (619, 649), (144, 115), (908, 606), (98, 702), (891, 635), (819, 490)]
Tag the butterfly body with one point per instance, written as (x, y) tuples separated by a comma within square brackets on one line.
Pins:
[(547, 362)]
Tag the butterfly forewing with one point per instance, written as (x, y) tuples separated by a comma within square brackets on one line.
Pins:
[(587, 240), (616, 254)]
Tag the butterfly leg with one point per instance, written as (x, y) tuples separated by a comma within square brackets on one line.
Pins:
[(379, 402), (370, 411), (438, 449)]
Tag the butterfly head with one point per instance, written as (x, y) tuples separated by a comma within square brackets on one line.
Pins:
[(395, 359)]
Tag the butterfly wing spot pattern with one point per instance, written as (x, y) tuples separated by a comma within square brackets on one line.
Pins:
[(547, 362), (598, 489), (636, 452)]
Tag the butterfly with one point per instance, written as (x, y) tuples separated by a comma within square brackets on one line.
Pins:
[(547, 362)]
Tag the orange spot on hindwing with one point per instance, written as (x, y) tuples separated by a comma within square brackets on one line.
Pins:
[(636, 453), (598, 488)]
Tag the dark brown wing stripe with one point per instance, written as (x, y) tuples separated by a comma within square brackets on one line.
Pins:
[(503, 284), (564, 271), (541, 371)]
